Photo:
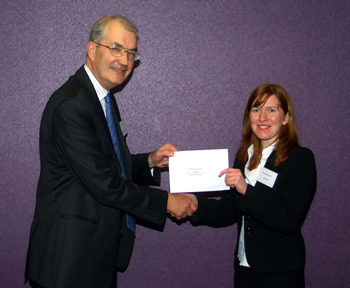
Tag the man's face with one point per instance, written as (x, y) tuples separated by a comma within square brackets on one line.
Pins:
[(111, 71)]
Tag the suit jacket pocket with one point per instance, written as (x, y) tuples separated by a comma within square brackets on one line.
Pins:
[(79, 218)]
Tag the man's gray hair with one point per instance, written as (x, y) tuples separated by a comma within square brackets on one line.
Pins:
[(97, 30)]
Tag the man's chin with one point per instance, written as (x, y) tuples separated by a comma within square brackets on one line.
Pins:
[(118, 81)]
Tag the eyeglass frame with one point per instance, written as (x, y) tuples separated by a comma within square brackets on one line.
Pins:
[(136, 54)]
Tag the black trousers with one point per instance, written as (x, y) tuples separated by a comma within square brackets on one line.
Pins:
[(247, 277)]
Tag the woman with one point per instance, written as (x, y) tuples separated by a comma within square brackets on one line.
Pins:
[(272, 182)]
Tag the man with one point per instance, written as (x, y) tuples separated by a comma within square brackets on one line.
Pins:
[(90, 185)]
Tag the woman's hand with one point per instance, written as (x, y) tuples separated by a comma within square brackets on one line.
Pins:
[(235, 179)]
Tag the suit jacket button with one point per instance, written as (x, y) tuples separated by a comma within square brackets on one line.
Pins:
[(249, 230)]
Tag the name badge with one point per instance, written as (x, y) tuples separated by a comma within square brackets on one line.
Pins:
[(123, 128), (267, 177)]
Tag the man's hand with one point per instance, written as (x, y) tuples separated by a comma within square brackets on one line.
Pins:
[(181, 206), (193, 197), (160, 157)]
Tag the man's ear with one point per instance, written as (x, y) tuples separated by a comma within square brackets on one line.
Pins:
[(91, 49)]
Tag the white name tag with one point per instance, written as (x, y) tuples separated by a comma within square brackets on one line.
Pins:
[(267, 177), (123, 128)]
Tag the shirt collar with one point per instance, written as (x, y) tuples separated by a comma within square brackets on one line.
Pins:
[(100, 91), (265, 153), (268, 150)]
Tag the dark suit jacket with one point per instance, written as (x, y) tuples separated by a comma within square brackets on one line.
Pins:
[(78, 232), (273, 216)]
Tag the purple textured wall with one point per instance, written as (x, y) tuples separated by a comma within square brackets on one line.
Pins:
[(200, 61)]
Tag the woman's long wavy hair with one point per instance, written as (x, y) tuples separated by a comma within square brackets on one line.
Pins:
[(288, 136)]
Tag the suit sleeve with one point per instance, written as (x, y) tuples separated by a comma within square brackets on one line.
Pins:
[(80, 142), (141, 173), (214, 212)]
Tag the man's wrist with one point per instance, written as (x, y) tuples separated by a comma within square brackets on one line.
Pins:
[(150, 162)]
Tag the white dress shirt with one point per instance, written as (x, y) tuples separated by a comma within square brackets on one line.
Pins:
[(100, 91), (251, 177)]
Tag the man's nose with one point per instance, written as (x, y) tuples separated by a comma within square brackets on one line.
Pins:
[(124, 59)]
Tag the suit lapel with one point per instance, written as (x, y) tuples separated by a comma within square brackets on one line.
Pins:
[(91, 95)]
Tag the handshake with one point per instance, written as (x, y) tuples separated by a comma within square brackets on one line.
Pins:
[(181, 205)]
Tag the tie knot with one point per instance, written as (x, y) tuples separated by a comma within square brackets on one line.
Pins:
[(108, 99)]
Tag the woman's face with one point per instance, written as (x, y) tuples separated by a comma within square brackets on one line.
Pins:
[(267, 121)]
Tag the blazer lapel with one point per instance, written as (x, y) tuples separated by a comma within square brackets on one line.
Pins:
[(269, 163)]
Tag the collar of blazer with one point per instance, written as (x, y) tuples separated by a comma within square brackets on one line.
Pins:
[(269, 164)]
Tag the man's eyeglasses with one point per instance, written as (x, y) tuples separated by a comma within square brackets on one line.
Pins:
[(118, 51)]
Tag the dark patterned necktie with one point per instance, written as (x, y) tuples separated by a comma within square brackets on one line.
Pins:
[(113, 130)]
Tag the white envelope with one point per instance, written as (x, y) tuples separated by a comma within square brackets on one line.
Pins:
[(198, 171)]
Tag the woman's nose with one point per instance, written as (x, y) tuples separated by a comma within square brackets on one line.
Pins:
[(262, 116)]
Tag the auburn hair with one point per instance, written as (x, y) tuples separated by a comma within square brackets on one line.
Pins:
[(287, 137)]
